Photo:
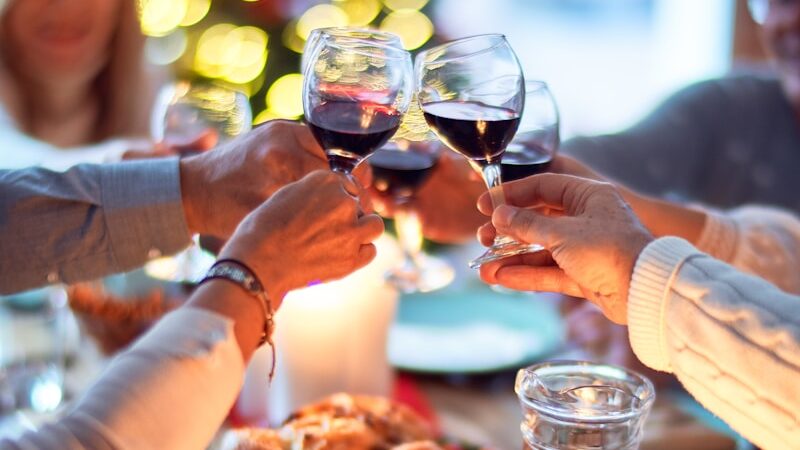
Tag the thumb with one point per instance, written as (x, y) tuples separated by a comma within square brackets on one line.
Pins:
[(525, 225)]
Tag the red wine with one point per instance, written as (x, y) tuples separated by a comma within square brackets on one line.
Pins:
[(478, 131), (522, 163), (399, 174), (351, 131)]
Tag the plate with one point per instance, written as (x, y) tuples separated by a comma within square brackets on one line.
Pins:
[(473, 330)]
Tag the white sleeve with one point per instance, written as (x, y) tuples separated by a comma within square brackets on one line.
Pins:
[(760, 240), (18, 150), (732, 339), (171, 390)]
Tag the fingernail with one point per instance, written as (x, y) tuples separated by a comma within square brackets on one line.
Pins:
[(503, 215)]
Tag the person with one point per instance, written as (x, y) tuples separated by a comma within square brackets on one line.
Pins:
[(74, 84), (174, 387), (731, 338), (112, 219)]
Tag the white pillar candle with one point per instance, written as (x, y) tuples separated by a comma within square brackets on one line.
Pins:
[(332, 338)]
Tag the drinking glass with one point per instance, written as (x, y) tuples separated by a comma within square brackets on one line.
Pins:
[(364, 34), (33, 336), (537, 138), (355, 93), (472, 94), (399, 170), (185, 113), (576, 405)]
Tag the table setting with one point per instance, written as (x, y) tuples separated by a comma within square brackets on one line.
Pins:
[(413, 351)]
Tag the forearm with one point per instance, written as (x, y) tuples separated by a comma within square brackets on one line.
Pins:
[(87, 222), (174, 387), (733, 340), (664, 218)]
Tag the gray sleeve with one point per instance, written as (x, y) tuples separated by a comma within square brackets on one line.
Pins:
[(89, 221), (664, 154)]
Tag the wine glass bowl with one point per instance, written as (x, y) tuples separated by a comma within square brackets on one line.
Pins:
[(399, 170), (538, 137), (472, 94), (355, 93), (362, 34), (185, 111)]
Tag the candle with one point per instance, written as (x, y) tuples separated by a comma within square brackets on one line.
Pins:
[(330, 338)]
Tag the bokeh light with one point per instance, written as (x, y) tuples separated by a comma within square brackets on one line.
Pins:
[(413, 27), (231, 53), (320, 16), (284, 97), (396, 5), (195, 12), (359, 12), (160, 17), (166, 49), (290, 38)]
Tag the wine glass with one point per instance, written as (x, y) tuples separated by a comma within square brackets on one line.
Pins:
[(354, 96), (538, 137), (363, 34), (195, 113), (399, 170), (472, 94)]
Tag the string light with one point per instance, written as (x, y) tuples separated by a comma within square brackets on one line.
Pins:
[(413, 27)]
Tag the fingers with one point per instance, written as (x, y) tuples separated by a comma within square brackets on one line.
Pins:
[(366, 254), (486, 234), (489, 270), (554, 190), (370, 227), (540, 279), (528, 226)]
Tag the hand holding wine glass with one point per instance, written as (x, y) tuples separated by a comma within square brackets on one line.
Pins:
[(472, 94), (355, 93)]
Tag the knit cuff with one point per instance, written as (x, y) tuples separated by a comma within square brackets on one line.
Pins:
[(652, 278), (719, 236)]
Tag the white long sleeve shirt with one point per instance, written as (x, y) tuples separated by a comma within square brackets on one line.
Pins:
[(170, 390), (732, 339)]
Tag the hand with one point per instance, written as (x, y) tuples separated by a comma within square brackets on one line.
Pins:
[(592, 244), (220, 187), (445, 203), (308, 231)]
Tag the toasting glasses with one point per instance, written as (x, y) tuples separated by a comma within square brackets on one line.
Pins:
[(355, 93), (185, 113), (472, 93)]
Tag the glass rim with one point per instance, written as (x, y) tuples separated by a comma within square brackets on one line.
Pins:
[(536, 85), (422, 56), (370, 31), (396, 53), (549, 410)]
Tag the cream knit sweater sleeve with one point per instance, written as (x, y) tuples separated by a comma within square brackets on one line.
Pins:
[(732, 339), (760, 240)]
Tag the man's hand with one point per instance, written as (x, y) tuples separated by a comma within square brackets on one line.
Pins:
[(592, 240), (222, 186), (312, 230)]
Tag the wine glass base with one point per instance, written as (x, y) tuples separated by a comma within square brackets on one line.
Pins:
[(504, 250), (429, 274)]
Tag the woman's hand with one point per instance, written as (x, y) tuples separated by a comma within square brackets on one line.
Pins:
[(307, 232), (592, 241)]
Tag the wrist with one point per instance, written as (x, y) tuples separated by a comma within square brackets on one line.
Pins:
[(264, 268), (192, 193)]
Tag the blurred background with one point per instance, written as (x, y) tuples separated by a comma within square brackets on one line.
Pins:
[(608, 61)]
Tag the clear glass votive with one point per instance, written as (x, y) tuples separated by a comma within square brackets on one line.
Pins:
[(578, 405)]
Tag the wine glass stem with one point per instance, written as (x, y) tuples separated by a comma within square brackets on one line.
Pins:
[(494, 182), (409, 233)]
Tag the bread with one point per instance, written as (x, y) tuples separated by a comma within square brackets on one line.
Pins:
[(346, 422)]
